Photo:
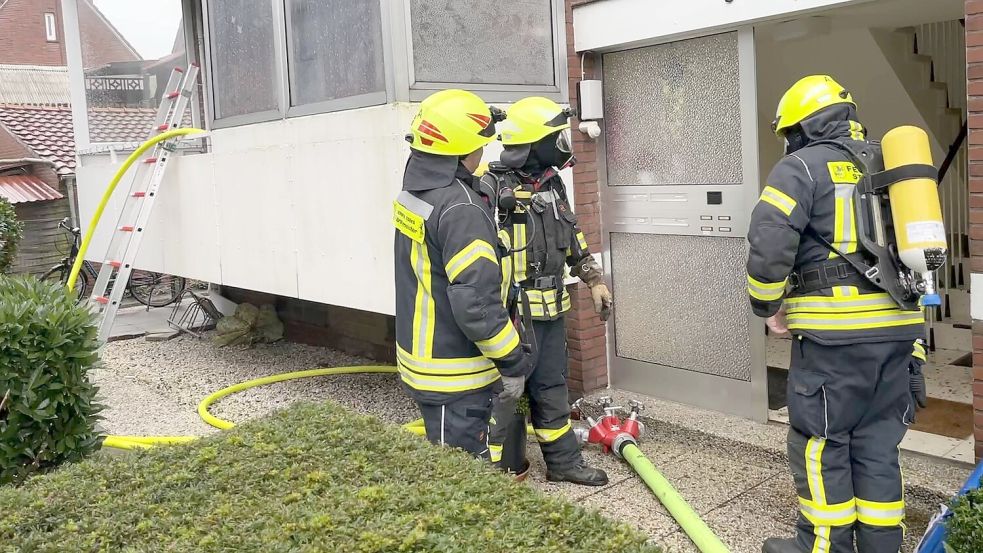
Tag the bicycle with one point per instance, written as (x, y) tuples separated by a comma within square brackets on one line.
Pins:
[(147, 287)]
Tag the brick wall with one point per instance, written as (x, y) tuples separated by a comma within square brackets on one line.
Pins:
[(22, 33), (361, 333), (974, 75), (585, 331), (23, 40)]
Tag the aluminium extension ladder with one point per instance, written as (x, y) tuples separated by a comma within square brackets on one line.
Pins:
[(111, 284)]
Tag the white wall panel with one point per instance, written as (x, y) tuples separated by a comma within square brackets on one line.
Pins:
[(301, 207), (624, 23)]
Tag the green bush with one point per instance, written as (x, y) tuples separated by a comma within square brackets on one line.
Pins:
[(47, 346), (964, 531), (10, 234), (311, 478)]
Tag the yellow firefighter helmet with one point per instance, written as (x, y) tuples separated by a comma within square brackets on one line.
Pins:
[(805, 98), (453, 123), (531, 119)]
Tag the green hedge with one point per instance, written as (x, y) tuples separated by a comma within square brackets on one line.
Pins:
[(312, 478), (964, 531), (47, 408)]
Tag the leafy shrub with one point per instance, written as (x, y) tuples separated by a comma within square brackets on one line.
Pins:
[(47, 346), (10, 234), (964, 531), (311, 478)]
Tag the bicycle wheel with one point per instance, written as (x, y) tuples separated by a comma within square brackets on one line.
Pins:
[(155, 289), (59, 275)]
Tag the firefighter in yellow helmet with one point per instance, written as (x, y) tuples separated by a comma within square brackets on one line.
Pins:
[(545, 240), (454, 338), (849, 386)]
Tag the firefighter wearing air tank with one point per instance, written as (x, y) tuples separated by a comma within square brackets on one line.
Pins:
[(545, 240), (824, 265), (454, 338)]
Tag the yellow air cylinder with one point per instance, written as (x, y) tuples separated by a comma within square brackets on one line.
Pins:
[(915, 207)]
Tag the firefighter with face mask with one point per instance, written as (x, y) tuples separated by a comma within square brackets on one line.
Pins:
[(545, 239), (849, 388), (454, 338)]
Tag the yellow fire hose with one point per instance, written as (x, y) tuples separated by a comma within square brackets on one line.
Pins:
[(135, 442)]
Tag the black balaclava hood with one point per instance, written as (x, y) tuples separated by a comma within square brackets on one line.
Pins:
[(826, 124), (537, 157), (426, 171)]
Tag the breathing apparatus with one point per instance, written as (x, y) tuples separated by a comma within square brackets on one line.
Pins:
[(899, 217), (896, 199)]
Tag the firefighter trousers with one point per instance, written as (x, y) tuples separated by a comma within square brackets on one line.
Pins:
[(549, 404), (849, 407), (461, 422)]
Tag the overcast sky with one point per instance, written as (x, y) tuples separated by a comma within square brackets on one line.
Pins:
[(150, 26)]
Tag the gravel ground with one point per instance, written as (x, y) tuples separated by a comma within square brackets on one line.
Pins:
[(736, 476), (153, 388)]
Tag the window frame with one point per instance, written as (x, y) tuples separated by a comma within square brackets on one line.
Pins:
[(496, 92), (278, 76), (50, 27), (400, 82), (368, 99)]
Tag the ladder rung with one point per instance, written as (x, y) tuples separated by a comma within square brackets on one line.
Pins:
[(150, 160), (163, 127), (102, 299), (139, 194), (173, 95), (126, 229)]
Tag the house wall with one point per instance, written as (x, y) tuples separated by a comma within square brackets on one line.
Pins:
[(22, 33), (974, 74), (852, 57), (299, 207), (609, 24), (43, 244)]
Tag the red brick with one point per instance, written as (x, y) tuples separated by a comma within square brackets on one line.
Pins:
[(976, 232), (977, 387), (590, 168), (974, 54), (974, 22), (973, 7), (976, 170), (976, 153), (976, 200), (975, 88), (974, 38)]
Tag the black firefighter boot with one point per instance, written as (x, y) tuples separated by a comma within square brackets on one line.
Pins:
[(780, 545), (578, 474)]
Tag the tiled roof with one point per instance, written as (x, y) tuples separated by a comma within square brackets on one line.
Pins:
[(33, 84), (26, 188), (48, 131)]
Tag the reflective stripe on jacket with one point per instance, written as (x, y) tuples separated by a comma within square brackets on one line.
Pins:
[(453, 333), (813, 187), (554, 242)]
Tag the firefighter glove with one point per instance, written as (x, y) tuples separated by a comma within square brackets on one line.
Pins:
[(602, 300), (917, 386), (512, 388)]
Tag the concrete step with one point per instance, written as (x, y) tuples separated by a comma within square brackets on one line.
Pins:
[(955, 336)]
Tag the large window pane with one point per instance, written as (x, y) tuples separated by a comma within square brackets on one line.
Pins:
[(242, 51), (482, 42), (672, 113), (334, 49)]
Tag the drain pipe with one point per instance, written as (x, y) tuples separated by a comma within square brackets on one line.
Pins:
[(622, 439)]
